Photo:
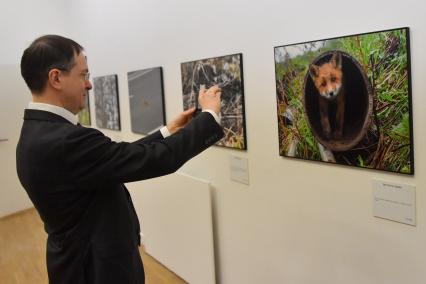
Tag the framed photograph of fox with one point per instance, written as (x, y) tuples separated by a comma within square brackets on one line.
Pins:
[(347, 100), (227, 73)]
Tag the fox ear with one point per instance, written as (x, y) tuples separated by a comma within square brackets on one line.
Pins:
[(313, 71), (336, 60)]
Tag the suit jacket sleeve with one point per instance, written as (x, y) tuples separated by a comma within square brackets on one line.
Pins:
[(91, 157), (156, 136)]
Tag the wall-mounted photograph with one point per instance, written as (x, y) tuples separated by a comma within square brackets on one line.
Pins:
[(347, 100), (146, 100), (227, 73), (106, 102), (84, 114)]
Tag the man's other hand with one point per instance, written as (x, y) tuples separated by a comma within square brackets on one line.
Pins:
[(180, 121)]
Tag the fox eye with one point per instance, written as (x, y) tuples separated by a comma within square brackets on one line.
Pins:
[(333, 79), (323, 83)]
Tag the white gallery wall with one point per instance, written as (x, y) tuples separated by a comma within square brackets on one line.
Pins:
[(20, 23), (297, 222)]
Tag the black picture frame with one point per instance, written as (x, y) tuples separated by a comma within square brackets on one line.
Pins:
[(146, 97), (371, 124), (226, 72)]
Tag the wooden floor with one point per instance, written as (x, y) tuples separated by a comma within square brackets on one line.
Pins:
[(23, 249)]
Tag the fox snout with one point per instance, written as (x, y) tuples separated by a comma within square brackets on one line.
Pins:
[(332, 92)]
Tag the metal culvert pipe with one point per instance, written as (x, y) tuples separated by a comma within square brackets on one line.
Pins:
[(358, 104)]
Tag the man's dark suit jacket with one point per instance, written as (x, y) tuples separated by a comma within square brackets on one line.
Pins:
[(74, 176)]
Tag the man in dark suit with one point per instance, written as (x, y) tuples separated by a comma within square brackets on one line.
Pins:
[(74, 175)]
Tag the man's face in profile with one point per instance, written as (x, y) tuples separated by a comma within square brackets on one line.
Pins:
[(76, 85)]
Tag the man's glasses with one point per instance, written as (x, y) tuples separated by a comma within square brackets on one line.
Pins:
[(84, 75)]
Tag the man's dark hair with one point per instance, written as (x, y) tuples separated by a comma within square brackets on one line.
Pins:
[(44, 54)]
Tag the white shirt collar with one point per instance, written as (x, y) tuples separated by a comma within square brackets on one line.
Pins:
[(56, 110)]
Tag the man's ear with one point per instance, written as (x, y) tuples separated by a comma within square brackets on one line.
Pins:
[(54, 78), (313, 71)]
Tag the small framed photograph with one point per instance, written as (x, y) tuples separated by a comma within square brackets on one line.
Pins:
[(146, 100), (227, 73), (84, 114), (106, 102)]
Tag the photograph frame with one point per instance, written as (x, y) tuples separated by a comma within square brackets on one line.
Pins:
[(284, 116), (225, 94), (160, 86), (102, 118)]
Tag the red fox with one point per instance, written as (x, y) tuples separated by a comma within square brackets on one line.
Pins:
[(328, 79)]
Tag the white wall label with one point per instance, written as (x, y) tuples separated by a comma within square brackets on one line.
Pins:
[(239, 169), (393, 201)]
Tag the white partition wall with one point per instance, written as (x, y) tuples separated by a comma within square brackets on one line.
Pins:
[(14, 97), (20, 23), (176, 220)]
